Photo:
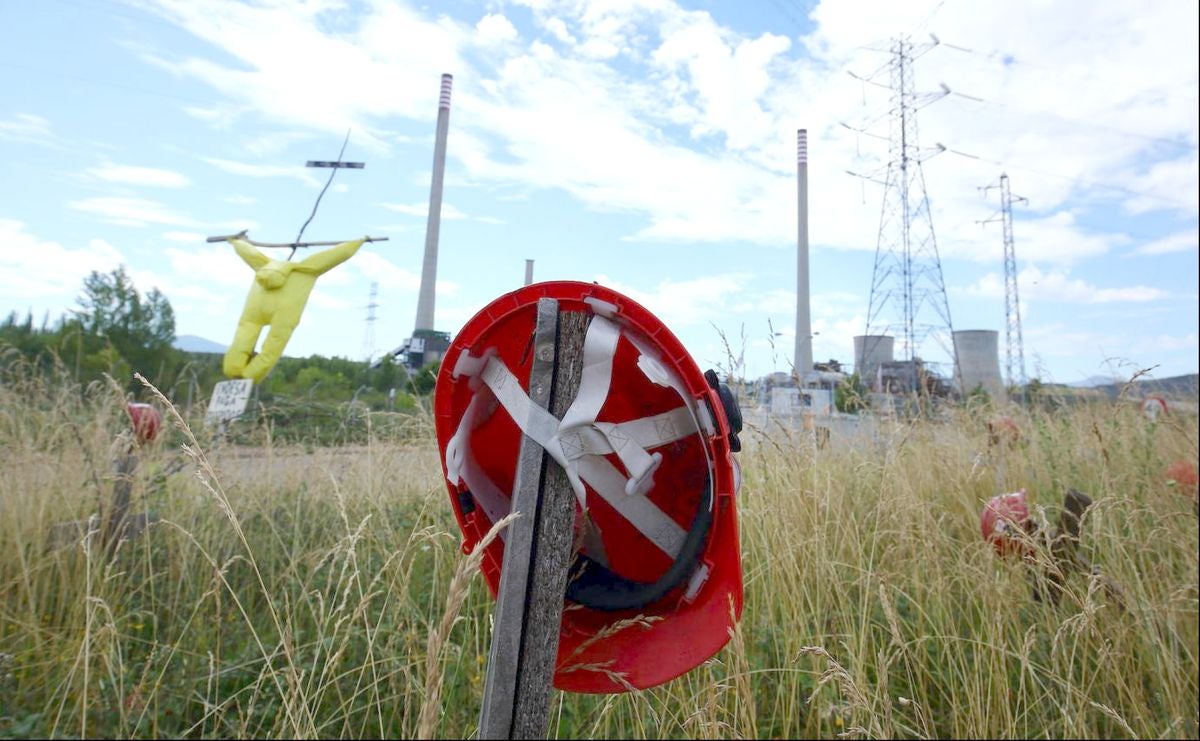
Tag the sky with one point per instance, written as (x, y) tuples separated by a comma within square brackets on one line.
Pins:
[(648, 145)]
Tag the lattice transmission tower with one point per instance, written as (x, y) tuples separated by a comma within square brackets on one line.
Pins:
[(1015, 352), (368, 348), (908, 294)]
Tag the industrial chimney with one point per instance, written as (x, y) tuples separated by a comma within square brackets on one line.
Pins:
[(425, 300), (528, 272), (804, 351)]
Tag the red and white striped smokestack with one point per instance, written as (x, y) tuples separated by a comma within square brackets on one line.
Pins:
[(425, 300), (804, 353)]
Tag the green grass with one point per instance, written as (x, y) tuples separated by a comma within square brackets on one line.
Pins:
[(302, 591)]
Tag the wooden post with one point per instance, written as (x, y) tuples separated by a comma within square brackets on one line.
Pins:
[(123, 470), (537, 552)]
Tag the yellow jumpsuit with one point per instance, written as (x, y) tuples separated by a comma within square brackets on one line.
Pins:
[(276, 298)]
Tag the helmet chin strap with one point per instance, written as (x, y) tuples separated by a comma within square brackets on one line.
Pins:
[(579, 443)]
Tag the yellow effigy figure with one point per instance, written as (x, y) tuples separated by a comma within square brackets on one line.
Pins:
[(277, 298)]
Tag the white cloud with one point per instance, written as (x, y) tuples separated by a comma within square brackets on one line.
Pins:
[(131, 211), (556, 28), (450, 212), (1058, 286), (287, 59), (683, 303), (685, 127), (36, 269), (493, 29), (1167, 342), (269, 145), (646, 108), (215, 264), (144, 176), (183, 237), (326, 301), (263, 171), (27, 128), (1178, 242), (1167, 183)]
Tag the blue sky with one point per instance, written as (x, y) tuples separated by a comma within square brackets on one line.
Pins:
[(645, 144)]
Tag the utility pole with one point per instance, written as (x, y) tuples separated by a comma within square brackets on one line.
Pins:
[(1015, 352), (908, 292)]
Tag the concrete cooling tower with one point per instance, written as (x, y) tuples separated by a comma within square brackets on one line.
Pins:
[(869, 351), (977, 356)]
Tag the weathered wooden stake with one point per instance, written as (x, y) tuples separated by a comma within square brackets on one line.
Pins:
[(537, 552), (113, 523), (123, 470)]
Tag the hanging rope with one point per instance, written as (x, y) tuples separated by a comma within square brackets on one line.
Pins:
[(332, 173)]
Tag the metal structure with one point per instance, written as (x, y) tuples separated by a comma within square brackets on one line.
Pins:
[(978, 361), (368, 349), (1014, 344), (803, 357), (528, 272), (908, 294)]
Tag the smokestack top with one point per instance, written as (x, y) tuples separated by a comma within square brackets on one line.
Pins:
[(444, 99), (802, 146)]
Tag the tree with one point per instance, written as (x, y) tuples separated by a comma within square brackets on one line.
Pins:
[(850, 396), (425, 379), (112, 314)]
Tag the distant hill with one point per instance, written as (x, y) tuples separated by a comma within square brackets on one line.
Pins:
[(1092, 382), (1175, 387), (1186, 387), (192, 343)]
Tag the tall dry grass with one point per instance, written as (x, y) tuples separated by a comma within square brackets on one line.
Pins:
[(314, 593)]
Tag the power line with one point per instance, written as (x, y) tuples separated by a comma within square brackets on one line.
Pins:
[(1088, 123), (1076, 180)]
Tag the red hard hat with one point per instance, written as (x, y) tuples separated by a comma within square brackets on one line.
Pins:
[(145, 419), (1183, 475), (1004, 430), (1003, 520), (1152, 406), (647, 445)]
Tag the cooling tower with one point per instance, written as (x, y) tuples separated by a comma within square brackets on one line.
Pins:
[(869, 351), (977, 356)]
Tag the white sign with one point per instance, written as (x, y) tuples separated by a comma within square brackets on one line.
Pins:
[(228, 400)]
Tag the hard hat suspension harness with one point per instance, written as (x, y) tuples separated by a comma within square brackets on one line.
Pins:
[(579, 443)]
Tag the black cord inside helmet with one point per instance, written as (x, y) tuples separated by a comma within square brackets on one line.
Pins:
[(594, 585)]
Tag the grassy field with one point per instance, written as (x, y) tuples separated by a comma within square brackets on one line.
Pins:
[(308, 592)]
